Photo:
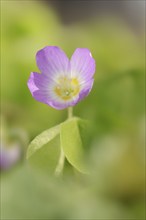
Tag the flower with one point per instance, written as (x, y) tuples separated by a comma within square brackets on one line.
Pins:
[(9, 156), (62, 82)]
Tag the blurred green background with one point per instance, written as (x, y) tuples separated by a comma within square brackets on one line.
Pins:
[(115, 107)]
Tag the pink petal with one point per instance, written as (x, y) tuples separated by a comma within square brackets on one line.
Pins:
[(82, 64)]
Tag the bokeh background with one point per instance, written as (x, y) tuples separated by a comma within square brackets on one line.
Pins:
[(114, 32)]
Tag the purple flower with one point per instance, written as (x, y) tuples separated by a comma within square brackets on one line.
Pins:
[(62, 82), (9, 156)]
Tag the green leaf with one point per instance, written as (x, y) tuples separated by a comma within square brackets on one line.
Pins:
[(43, 152), (42, 139), (46, 158), (72, 134)]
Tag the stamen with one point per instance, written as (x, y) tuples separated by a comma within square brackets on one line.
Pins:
[(67, 88), (67, 92)]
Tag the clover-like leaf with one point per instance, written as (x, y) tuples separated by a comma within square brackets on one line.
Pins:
[(72, 133), (43, 152), (42, 139)]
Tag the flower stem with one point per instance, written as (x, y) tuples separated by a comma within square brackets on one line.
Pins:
[(60, 165), (70, 112)]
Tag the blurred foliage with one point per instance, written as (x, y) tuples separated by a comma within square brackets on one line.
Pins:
[(115, 107)]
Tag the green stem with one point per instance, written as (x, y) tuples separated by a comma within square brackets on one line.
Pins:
[(60, 165), (70, 112)]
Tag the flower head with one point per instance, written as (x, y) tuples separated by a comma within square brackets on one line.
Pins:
[(9, 156), (62, 82)]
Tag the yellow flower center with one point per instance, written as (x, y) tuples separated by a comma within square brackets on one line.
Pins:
[(67, 88)]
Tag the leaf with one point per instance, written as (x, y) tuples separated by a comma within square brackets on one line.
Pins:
[(42, 139), (71, 137), (43, 152), (46, 158)]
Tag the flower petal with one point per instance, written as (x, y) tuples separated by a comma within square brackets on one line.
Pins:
[(38, 86), (38, 81), (41, 89), (52, 60), (61, 104), (82, 64), (85, 89)]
